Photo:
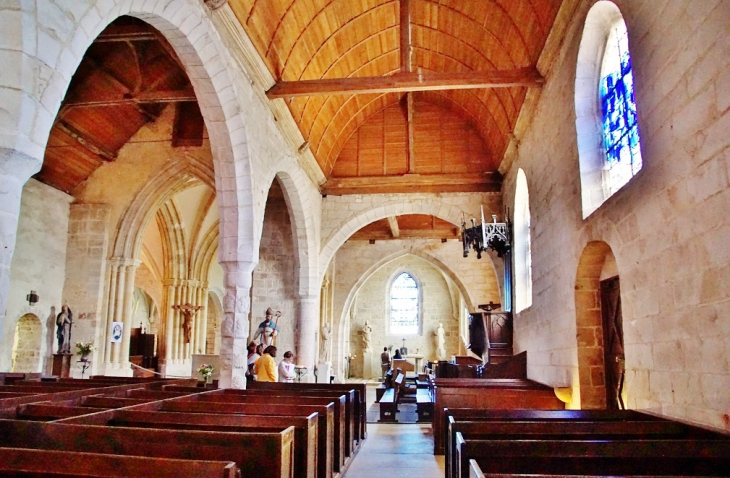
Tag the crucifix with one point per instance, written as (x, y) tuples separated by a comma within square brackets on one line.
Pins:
[(187, 310)]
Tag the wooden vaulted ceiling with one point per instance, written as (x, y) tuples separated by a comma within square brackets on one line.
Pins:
[(349, 71), (125, 80)]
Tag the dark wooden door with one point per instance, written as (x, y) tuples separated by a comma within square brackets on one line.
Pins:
[(613, 342)]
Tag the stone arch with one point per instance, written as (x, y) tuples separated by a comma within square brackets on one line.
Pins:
[(215, 317), (27, 344), (352, 294), (352, 224), (189, 30), (589, 133), (589, 324)]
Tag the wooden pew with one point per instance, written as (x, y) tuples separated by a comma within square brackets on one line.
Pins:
[(389, 401), (305, 436), (101, 401), (49, 411), (340, 449), (562, 429), (350, 417), (595, 457), (360, 397), (29, 462), (487, 394), (325, 432), (256, 454), (155, 394)]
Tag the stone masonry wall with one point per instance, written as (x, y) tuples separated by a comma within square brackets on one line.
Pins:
[(372, 305), (274, 279), (39, 264), (669, 228)]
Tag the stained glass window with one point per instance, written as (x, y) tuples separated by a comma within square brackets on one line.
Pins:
[(620, 128), (404, 305)]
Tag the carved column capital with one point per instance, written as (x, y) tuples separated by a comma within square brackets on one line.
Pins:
[(214, 4)]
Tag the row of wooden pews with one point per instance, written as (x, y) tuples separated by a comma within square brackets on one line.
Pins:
[(578, 442), (270, 430)]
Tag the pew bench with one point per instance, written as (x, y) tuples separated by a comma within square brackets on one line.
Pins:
[(595, 457), (389, 401), (326, 464), (261, 454), (30, 462), (424, 404)]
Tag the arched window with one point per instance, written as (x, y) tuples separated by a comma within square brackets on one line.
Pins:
[(618, 108), (522, 242), (606, 115), (404, 305)]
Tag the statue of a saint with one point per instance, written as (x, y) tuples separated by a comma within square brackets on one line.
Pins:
[(63, 330), (366, 338), (440, 342), (326, 334), (268, 329)]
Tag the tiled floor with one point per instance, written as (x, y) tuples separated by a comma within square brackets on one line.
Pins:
[(396, 451)]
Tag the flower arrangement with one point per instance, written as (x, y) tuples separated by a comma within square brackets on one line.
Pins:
[(85, 348), (206, 370)]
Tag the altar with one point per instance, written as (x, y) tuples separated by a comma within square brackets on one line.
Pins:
[(417, 360)]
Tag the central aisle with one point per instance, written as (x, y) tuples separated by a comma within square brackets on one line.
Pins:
[(397, 451)]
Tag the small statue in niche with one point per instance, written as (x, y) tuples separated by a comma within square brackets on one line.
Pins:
[(366, 336), (64, 320), (326, 334), (440, 342)]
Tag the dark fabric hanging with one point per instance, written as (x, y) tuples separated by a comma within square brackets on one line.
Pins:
[(477, 334)]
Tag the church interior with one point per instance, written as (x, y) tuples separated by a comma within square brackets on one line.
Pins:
[(170, 169)]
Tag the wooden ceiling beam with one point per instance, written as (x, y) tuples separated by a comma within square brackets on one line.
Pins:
[(393, 224), (160, 96), (88, 144), (405, 36), (466, 182), (405, 82)]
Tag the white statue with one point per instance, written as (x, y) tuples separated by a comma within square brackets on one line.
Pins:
[(440, 342), (325, 354), (366, 338)]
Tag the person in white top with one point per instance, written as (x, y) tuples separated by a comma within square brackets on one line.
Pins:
[(286, 368)]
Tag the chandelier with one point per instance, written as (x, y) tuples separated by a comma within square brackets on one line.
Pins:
[(487, 235)]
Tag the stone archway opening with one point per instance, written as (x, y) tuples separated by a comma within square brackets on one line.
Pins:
[(27, 345), (598, 327), (215, 317)]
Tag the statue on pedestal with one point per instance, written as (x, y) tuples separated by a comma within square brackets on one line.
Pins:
[(366, 337), (63, 330), (326, 334), (440, 342), (268, 329)]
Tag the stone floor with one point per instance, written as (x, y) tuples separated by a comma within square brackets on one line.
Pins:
[(397, 451)]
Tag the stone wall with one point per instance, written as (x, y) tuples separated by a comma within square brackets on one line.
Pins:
[(274, 279), (437, 304), (669, 228), (39, 264)]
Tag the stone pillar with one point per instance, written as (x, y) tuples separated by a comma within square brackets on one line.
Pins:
[(234, 329), (131, 272), (15, 170), (308, 331), (119, 309)]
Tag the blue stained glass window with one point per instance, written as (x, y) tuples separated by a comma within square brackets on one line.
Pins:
[(618, 103), (404, 305)]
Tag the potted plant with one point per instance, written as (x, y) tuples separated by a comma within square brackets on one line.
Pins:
[(85, 348), (206, 370)]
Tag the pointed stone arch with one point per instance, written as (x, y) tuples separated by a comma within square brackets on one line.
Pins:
[(27, 344)]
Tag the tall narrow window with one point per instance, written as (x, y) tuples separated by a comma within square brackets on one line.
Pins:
[(522, 244), (607, 131), (618, 108), (404, 307)]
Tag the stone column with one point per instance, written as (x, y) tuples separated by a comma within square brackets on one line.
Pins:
[(119, 309), (131, 272), (15, 170), (234, 329), (308, 331)]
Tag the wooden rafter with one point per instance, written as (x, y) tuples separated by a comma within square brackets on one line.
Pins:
[(465, 182), (393, 224), (405, 36), (169, 96), (405, 82), (87, 143)]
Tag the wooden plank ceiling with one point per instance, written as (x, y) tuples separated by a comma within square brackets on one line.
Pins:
[(125, 80), (402, 95)]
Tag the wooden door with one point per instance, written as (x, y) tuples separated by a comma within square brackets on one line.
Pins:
[(613, 342)]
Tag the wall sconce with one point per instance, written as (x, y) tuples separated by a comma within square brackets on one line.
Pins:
[(32, 298)]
